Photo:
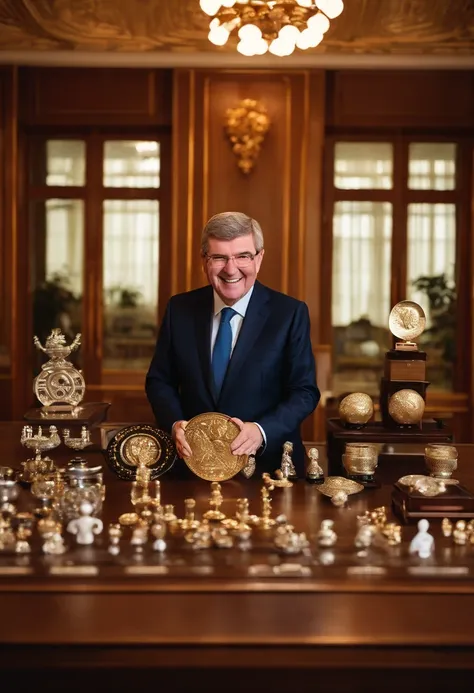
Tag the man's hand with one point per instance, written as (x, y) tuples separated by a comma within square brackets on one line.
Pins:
[(179, 438), (249, 439)]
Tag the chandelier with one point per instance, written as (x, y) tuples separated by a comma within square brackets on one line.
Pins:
[(278, 26)]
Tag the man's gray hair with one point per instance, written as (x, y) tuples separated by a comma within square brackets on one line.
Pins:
[(229, 225)]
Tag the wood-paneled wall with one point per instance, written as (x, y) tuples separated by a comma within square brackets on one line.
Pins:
[(283, 192)]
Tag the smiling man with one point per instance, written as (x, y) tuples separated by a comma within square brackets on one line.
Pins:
[(235, 347)]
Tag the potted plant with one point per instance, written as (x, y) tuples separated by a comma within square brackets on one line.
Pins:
[(441, 294)]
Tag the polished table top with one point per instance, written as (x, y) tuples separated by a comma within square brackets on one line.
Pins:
[(338, 597)]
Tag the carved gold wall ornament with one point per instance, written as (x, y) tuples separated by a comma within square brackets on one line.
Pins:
[(246, 126)]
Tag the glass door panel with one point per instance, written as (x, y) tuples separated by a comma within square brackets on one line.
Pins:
[(130, 282), (58, 267), (58, 163), (361, 276), (431, 166), (431, 283), (131, 164), (363, 165)]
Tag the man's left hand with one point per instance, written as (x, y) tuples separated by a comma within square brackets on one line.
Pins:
[(249, 439)]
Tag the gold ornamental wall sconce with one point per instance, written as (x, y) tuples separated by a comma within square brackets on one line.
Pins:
[(246, 126)]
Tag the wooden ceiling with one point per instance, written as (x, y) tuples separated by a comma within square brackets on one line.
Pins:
[(375, 27)]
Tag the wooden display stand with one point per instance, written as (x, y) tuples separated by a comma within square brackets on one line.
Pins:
[(338, 435), (404, 370)]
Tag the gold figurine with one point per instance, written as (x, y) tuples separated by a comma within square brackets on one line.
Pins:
[(215, 502)]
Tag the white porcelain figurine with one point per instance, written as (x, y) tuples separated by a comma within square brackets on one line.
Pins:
[(85, 526), (422, 543)]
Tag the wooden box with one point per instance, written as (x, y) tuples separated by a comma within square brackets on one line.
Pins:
[(456, 502)]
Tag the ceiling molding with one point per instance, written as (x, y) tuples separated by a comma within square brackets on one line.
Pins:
[(235, 60), (174, 32)]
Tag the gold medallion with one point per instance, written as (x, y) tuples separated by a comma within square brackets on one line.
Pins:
[(407, 320), (210, 436), (140, 444)]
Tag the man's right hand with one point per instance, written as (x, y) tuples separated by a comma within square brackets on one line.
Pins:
[(179, 438)]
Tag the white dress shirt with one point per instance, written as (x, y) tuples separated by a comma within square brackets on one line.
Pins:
[(236, 321)]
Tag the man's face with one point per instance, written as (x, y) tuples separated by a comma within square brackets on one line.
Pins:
[(229, 281)]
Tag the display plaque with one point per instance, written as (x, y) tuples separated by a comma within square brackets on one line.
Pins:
[(140, 444)]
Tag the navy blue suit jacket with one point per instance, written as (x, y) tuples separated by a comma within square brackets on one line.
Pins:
[(271, 377)]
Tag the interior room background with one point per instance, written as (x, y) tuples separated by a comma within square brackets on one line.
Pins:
[(363, 187)]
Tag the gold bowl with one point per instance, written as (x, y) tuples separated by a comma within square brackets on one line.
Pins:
[(356, 409), (359, 465), (441, 460), (441, 451), (406, 407)]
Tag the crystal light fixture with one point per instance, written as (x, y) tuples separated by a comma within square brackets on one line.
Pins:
[(278, 26)]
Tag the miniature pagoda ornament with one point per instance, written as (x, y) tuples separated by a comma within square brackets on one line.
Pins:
[(60, 387)]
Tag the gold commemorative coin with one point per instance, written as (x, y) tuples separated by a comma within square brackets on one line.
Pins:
[(210, 436), (407, 320)]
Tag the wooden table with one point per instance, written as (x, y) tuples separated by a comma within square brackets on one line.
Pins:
[(216, 619)]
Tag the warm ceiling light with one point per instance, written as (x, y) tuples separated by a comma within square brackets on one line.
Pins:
[(278, 26)]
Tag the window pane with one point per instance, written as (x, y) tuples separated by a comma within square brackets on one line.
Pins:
[(58, 162), (431, 272), (58, 257), (131, 164), (362, 165), (362, 240), (130, 270), (432, 166)]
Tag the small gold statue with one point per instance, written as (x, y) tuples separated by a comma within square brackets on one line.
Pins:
[(460, 533), (314, 472), (288, 541), (446, 527), (158, 529), (326, 535), (115, 534), (288, 470), (200, 538), (215, 502), (265, 521)]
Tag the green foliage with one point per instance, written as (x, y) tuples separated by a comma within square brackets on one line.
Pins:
[(441, 293), (53, 300), (124, 297)]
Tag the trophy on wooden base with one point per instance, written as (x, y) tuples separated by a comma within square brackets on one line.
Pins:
[(403, 385), (60, 387)]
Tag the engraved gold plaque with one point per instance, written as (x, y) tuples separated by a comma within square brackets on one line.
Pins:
[(210, 436), (140, 443)]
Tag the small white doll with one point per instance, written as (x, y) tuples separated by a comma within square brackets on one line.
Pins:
[(85, 526), (422, 543)]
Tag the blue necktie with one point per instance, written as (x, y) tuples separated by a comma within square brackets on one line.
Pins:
[(222, 348)]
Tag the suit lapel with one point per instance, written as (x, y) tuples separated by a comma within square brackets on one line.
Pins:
[(203, 318), (252, 326)]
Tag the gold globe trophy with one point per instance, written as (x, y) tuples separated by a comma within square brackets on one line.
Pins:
[(403, 386), (356, 410)]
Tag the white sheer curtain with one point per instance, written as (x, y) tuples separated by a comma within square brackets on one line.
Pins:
[(362, 239), (131, 247)]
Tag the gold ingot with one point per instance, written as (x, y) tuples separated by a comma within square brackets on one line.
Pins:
[(406, 407), (356, 408)]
